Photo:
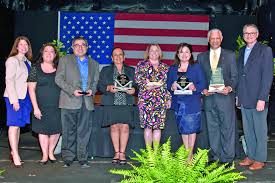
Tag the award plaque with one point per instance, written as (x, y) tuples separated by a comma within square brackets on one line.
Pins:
[(216, 82), (182, 86), (123, 83)]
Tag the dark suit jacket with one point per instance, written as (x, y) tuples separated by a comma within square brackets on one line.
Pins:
[(68, 79), (106, 78), (255, 78), (228, 64)]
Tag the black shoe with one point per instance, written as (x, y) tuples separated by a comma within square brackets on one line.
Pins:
[(43, 162), (84, 164), (53, 160), (67, 164)]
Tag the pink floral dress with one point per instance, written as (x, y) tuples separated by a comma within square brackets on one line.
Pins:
[(152, 103)]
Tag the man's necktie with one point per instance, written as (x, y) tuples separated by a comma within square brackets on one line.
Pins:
[(215, 61)]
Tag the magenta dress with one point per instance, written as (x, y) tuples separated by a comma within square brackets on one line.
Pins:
[(152, 104)]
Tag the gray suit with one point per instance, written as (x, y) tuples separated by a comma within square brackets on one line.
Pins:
[(76, 112), (220, 109)]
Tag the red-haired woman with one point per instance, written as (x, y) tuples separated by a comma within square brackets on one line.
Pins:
[(17, 99)]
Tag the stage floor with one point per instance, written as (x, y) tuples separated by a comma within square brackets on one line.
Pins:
[(97, 173)]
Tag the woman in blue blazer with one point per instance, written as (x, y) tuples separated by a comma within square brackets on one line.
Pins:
[(187, 107)]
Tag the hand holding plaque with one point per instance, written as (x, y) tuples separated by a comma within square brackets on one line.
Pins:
[(123, 83), (183, 86), (216, 82)]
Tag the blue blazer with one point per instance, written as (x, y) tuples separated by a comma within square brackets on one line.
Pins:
[(194, 74), (255, 78)]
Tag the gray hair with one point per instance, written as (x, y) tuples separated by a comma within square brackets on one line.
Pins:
[(214, 30), (251, 25)]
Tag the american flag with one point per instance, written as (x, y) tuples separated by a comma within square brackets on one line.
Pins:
[(133, 32)]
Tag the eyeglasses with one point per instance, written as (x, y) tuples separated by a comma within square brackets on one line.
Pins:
[(79, 45), (249, 33)]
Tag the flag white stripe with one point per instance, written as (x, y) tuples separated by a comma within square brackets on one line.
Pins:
[(160, 40), (169, 55), (162, 25)]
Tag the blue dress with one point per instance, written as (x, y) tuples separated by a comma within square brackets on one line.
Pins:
[(22, 116)]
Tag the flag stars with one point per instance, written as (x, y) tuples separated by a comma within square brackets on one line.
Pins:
[(65, 18), (98, 56), (107, 46), (74, 17), (103, 42), (86, 32), (69, 22), (102, 51), (95, 32), (86, 22), (95, 22), (64, 37), (90, 27), (94, 51), (104, 23), (98, 37), (90, 37), (107, 37), (103, 32), (81, 27), (77, 32), (91, 17), (78, 22), (109, 18), (100, 18), (99, 27), (98, 46), (69, 32), (68, 41), (82, 17), (90, 46), (72, 37), (64, 27), (108, 27), (94, 41), (73, 27), (107, 56)]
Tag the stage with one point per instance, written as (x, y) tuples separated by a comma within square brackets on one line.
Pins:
[(33, 172)]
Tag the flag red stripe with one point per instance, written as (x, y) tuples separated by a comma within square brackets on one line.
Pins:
[(164, 47), (162, 17), (160, 32)]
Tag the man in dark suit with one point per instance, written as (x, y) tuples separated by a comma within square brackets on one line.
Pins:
[(255, 67), (220, 106), (77, 76)]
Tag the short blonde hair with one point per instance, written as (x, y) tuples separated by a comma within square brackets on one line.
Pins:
[(146, 54)]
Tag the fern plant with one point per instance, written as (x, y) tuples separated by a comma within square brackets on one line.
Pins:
[(163, 166)]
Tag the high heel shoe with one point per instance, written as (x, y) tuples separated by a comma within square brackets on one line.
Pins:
[(12, 161), (122, 161), (115, 160), (52, 160), (21, 161), (43, 162)]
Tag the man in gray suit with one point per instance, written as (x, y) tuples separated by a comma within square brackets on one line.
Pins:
[(220, 106), (77, 76), (255, 67)]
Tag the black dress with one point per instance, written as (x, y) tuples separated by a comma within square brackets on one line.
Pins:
[(47, 95), (118, 107)]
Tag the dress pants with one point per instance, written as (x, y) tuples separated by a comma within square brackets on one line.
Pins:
[(221, 121), (255, 133), (76, 132)]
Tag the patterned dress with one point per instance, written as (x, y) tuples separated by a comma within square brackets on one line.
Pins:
[(152, 103)]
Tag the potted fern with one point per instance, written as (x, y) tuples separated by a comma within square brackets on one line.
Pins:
[(161, 165)]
